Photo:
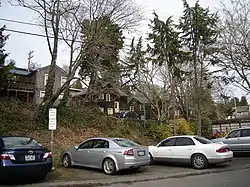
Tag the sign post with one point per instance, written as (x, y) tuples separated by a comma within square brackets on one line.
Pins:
[(52, 125)]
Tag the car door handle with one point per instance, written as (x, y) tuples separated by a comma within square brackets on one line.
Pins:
[(170, 149), (104, 151)]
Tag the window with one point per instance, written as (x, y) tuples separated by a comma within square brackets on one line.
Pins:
[(101, 144), (234, 134), (203, 140), (108, 97), (60, 96), (86, 145), (126, 143), (116, 104), (63, 80), (141, 107), (110, 111), (101, 97), (102, 109), (176, 112), (168, 142), (45, 79), (184, 141), (245, 132), (20, 142), (42, 94), (131, 108)]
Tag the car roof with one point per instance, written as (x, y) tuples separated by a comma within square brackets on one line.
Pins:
[(180, 136), (15, 136), (242, 128), (106, 138)]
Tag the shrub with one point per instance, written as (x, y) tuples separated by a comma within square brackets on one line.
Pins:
[(159, 131), (183, 127)]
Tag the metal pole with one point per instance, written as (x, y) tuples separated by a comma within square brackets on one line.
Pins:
[(144, 111), (52, 141), (235, 106)]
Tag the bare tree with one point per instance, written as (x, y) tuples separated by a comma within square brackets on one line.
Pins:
[(234, 43), (50, 13)]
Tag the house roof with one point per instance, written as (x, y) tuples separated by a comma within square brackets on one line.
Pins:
[(59, 68), (83, 92), (243, 108), (21, 71)]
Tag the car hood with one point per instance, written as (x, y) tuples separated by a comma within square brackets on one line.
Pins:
[(218, 140)]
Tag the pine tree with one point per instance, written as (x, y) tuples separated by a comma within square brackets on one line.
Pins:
[(4, 69), (199, 34)]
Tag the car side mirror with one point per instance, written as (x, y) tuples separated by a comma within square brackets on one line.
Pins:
[(76, 147), (227, 137)]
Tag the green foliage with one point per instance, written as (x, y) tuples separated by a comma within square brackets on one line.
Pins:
[(184, 127), (159, 132), (102, 41), (78, 85), (167, 46), (243, 101), (4, 69)]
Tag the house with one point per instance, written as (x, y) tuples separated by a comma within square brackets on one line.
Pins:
[(141, 106), (20, 84), (108, 98), (240, 112), (41, 77), (29, 85)]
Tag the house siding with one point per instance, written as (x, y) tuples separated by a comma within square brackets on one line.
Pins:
[(40, 82)]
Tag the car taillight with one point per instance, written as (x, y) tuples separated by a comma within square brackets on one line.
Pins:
[(129, 152), (222, 150), (7, 157), (47, 155)]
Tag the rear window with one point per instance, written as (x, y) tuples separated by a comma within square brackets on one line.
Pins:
[(202, 140), (19, 142), (126, 143)]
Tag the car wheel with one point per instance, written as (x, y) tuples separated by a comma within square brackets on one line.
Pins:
[(109, 167), (66, 161), (151, 158), (199, 161)]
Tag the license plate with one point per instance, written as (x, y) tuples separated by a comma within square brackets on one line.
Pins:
[(30, 157), (141, 153)]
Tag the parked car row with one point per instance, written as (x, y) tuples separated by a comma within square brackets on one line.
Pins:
[(26, 157)]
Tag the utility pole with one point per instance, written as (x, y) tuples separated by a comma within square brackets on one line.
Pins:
[(235, 106), (30, 56)]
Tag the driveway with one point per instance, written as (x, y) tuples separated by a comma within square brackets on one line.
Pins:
[(153, 171), (83, 176)]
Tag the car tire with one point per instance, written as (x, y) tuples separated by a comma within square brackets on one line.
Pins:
[(66, 161), (109, 167), (199, 161), (151, 159)]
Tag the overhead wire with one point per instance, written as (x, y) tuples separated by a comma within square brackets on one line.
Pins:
[(35, 24)]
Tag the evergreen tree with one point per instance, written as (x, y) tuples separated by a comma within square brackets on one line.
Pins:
[(4, 68), (199, 34)]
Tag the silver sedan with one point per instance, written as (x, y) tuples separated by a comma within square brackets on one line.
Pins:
[(108, 154)]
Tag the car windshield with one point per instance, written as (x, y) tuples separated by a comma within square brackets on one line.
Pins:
[(20, 142), (126, 143), (202, 140)]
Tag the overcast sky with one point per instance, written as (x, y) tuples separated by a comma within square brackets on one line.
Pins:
[(20, 44)]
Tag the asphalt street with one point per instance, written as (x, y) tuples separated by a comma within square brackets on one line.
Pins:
[(225, 179)]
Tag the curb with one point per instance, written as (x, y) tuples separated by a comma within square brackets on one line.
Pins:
[(133, 179)]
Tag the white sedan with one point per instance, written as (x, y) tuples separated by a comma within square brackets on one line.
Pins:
[(195, 150)]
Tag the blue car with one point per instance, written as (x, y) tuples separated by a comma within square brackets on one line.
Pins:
[(23, 157)]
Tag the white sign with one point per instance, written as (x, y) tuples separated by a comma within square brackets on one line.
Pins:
[(52, 119)]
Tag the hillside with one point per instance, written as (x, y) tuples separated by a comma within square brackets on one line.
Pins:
[(74, 126)]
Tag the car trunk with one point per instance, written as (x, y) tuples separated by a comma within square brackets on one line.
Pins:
[(140, 153), (27, 154)]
